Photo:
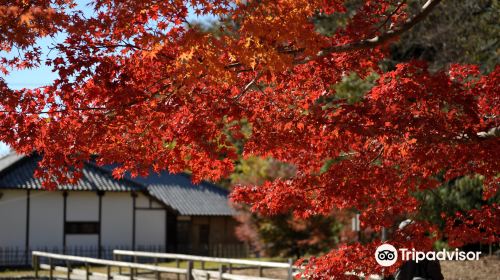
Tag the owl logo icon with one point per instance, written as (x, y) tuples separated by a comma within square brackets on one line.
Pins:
[(386, 255)]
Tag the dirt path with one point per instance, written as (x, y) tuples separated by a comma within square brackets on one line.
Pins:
[(487, 268)]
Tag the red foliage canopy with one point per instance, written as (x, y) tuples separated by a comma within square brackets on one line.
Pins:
[(136, 85)]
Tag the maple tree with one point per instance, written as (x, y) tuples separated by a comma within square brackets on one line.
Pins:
[(280, 235), (138, 86)]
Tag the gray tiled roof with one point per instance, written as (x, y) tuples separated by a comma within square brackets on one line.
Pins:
[(174, 190), (16, 172), (180, 193)]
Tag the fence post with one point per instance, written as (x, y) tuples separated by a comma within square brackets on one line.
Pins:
[(189, 275), (87, 271), (68, 272), (203, 265), (51, 272), (221, 271), (157, 272), (118, 258), (290, 269), (230, 268), (177, 264), (34, 263), (261, 271), (136, 271), (108, 272)]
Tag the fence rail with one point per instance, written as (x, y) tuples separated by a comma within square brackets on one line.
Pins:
[(199, 258), (118, 254), (133, 267), (207, 275)]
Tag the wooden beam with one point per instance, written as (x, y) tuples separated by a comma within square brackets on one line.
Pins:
[(65, 207), (99, 237), (27, 237), (201, 258), (102, 262), (134, 197)]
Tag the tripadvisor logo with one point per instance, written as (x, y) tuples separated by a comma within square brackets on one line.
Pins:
[(387, 255)]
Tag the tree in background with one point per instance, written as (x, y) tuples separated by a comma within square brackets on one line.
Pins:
[(460, 195), (280, 235), (458, 32), (139, 88)]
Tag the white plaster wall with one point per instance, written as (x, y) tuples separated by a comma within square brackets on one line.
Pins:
[(150, 227), (142, 200), (13, 218), (155, 204), (116, 227), (46, 219), (82, 206)]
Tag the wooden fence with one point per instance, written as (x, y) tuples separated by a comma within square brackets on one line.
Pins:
[(260, 265), (65, 263), (86, 262), (133, 268), (199, 274)]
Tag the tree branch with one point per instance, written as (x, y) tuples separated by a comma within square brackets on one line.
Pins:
[(493, 132), (248, 86), (388, 18), (378, 40), (367, 43), (56, 111)]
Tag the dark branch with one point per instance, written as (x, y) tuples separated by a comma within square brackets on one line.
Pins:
[(388, 18), (367, 43), (378, 40), (57, 111)]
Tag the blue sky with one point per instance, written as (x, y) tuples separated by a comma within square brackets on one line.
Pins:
[(32, 78), (43, 75)]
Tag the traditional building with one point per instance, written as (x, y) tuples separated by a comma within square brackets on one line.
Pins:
[(163, 212)]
